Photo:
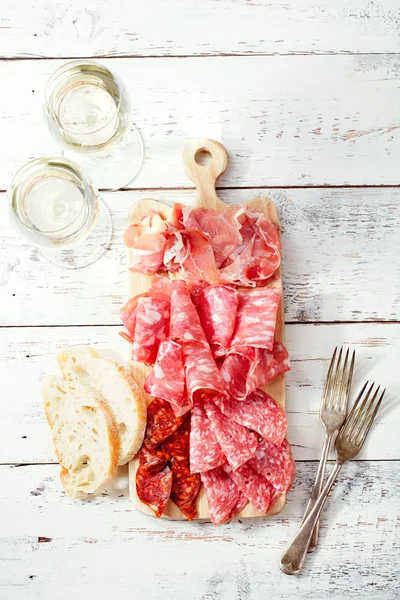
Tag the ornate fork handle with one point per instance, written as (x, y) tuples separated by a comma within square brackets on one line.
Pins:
[(316, 490), (293, 558)]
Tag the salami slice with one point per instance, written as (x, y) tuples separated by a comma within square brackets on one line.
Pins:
[(217, 306), (185, 322), (152, 460), (205, 451), (167, 378), (237, 371), (161, 422), (254, 487), (154, 489), (272, 364), (177, 445), (276, 464), (237, 443), (256, 319), (239, 506), (185, 487), (223, 495), (151, 327), (202, 374), (258, 412)]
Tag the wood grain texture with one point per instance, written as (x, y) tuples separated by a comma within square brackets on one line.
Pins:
[(205, 177), (51, 547), (210, 27), (339, 247), (285, 120), (27, 354)]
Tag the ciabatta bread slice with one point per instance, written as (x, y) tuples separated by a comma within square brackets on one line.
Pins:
[(116, 385), (85, 435)]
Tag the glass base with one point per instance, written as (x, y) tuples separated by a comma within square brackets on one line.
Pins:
[(86, 251), (115, 168)]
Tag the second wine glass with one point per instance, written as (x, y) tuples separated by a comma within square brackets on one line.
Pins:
[(87, 108)]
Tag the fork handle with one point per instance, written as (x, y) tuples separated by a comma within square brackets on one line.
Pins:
[(293, 558), (316, 490)]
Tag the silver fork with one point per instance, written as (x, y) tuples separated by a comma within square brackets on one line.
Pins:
[(348, 444), (332, 414)]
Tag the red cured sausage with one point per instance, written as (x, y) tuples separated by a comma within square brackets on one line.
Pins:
[(217, 306), (152, 460), (237, 443), (223, 496), (256, 319), (205, 451), (167, 378), (161, 422), (177, 445), (254, 487), (276, 464), (258, 412), (185, 487), (154, 489)]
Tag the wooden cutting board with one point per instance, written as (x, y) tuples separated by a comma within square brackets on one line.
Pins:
[(204, 161)]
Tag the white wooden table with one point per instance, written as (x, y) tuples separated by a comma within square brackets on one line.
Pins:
[(306, 98)]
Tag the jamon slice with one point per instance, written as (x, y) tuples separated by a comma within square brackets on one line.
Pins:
[(192, 251), (147, 240), (167, 378)]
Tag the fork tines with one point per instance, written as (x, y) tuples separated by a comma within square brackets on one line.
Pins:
[(338, 380), (362, 414)]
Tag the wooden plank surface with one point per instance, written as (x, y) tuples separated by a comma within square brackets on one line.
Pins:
[(27, 354), (339, 247), (51, 547), (210, 27), (285, 120)]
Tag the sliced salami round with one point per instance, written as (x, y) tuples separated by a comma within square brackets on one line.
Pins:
[(161, 422), (217, 306), (185, 323), (258, 412), (237, 443), (253, 486), (205, 451), (154, 489), (256, 319), (223, 495), (185, 487), (276, 464), (167, 378), (202, 374)]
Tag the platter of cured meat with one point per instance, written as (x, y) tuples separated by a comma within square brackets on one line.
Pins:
[(205, 323)]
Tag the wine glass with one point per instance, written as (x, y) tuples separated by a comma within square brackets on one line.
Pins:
[(57, 209), (87, 108)]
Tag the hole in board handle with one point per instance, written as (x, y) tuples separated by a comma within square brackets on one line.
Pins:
[(203, 157)]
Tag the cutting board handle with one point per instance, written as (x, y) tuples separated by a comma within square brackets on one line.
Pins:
[(205, 161)]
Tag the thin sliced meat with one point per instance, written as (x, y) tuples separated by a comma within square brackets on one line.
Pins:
[(234, 270), (237, 443), (223, 495), (272, 364), (177, 445), (192, 252), (258, 412), (239, 506), (177, 216), (154, 489), (205, 451), (276, 464), (196, 287), (202, 374), (253, 486), (152, 460), (221, 226), (256, 319), (185, 487), (167, 378), (217, 306), (185, 323), (161, 422), (147, 239), (237, 371)]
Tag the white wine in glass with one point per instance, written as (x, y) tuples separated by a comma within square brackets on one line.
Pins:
[(87, 108), (57, 209)]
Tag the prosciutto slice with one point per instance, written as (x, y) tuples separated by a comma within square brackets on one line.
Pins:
[(147, 239), (217, 307), (167, 378), (193, 252)]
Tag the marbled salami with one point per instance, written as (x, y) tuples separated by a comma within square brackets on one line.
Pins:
[(185, 323), (272, 364), (254, 487), (256, 319), (161, 422), (237, 443), (205, 451), (276, 464), (167, 378), (223, 495), (217, 306), (258, 412), (202, 374)]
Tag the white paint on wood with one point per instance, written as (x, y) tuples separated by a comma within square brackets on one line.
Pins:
[(27, 354), (340, 260), (51, 547), (210, 27), (285, 120)]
